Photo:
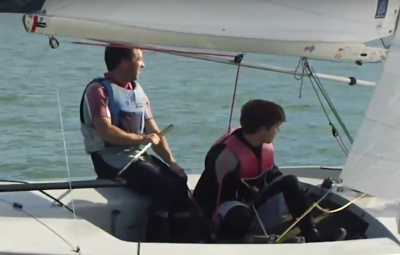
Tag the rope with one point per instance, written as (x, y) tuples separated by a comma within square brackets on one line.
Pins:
[(312, 74), (316, 205), (307, 71), (259, 221), (340, 208), (233, 98)]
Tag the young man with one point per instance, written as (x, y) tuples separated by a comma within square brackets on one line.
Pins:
[(240, 164), (116, 120)]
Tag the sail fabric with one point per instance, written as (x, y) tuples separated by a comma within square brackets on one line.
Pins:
[(288, 20), (258, 26), (373, 165)]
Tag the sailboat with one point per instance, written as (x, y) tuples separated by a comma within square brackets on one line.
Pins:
[(103, 217)]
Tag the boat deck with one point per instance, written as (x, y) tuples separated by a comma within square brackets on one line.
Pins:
[(40, 227)]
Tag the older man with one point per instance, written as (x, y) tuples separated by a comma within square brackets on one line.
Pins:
[(116, 120)]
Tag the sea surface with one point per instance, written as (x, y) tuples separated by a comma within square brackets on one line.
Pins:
[(194, 95)]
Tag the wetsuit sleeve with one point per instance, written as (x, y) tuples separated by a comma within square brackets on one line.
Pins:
[(227, 169), (96, 101), (226, 164)]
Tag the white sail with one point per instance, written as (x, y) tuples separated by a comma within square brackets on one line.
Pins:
[(321, 29), (373, 165)]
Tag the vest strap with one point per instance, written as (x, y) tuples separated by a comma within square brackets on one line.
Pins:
[(81, 115)]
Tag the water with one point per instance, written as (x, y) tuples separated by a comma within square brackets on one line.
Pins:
[(194, 95)]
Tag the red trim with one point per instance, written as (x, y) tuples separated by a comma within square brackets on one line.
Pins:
[(34, 23)]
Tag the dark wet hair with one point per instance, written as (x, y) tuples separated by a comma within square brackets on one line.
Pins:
[(260, 113), (114, 55)]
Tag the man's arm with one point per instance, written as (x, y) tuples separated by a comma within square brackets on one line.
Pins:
[(162, 149), (226, 167), (96, 100), (271, 175)]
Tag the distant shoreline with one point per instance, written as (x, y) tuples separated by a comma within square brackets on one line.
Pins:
[(20, 6)]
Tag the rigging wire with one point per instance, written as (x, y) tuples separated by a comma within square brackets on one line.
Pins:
[(56, 200), (335, 132), (383, 43), (77, 248), (16, 207), (238, 59), (42, 56), (67, 166), (308, 71), (318, 82), (315, 81), (54, 44)]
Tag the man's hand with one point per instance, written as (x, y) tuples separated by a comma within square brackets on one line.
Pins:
[(254, 189), (178, 169), (154, 139)]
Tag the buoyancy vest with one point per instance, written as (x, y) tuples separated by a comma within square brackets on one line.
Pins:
[(250, 166), (127, 109)]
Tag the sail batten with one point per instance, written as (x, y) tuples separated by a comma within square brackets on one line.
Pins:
[(373, 165), (321, 29)]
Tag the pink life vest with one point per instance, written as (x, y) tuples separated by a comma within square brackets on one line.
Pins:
[(250, 167)]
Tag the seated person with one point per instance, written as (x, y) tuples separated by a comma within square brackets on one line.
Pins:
[(240, 164), (116, 121)]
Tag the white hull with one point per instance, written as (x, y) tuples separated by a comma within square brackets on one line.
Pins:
[(40, 226)]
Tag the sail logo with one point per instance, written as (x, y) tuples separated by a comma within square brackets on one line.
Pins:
[(381, 9), (42, 23)]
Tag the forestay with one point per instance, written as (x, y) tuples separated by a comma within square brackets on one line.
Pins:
[(319, 29), (373, 165)]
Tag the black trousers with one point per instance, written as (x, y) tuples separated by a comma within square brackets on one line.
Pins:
[(239, 218), (294, 195), (152, 178)]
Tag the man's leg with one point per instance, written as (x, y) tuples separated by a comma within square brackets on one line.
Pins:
[(234, 220), (147, 179), (102, 169), (296, 201), (272, 211), (180, 207), (181, 200)]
